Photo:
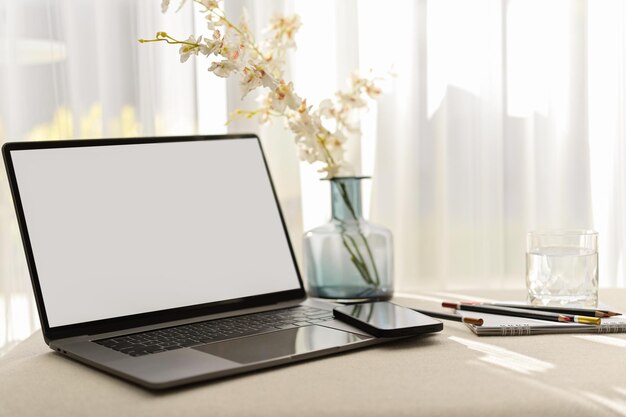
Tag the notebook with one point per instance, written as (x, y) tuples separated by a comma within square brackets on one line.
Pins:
[(166, 261), (497, 325)]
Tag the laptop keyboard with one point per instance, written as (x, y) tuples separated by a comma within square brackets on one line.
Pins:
[(194, 334)]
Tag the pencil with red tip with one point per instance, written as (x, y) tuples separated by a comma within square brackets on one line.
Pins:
[(454, 317), (519, 312)]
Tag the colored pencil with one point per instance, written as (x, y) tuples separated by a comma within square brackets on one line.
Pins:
[(520, 312), (453, 317), (563, 310)]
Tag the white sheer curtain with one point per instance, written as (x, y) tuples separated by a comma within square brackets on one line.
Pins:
[(507, 117), (503, 116)]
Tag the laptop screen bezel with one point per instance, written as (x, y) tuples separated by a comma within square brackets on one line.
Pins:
[(149, 318)]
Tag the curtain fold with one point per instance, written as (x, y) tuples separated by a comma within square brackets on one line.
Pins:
[(74, 69)]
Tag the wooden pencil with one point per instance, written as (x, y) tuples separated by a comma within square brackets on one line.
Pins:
[(520, 312), (453, 317)]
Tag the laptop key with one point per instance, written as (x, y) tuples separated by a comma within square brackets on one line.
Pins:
[(171, 347), (187, 343), (128, 349), (107, 343), (152, 348), (206, 339)]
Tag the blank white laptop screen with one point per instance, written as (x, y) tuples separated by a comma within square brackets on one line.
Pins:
[(128, 229)]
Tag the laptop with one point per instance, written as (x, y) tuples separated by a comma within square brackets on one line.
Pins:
[(165, 261)]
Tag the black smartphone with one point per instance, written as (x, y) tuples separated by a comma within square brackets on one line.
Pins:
[(384, 319)]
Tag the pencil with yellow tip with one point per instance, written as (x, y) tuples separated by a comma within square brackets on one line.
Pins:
[(590, 312), (519, 312)]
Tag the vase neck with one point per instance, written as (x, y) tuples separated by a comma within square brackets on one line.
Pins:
[(346, 198)]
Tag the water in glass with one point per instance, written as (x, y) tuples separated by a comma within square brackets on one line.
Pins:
[(562, 276)]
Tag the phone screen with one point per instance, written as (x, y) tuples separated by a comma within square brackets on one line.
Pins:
[(384, 317)]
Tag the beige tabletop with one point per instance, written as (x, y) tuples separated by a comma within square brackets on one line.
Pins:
[(453, 373)]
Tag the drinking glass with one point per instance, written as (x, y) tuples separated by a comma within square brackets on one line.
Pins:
[(562, 267)]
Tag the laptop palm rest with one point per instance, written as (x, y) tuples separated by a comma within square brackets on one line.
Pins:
[(279, 344)]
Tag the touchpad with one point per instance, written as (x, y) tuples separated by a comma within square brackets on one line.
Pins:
[(279, 344)]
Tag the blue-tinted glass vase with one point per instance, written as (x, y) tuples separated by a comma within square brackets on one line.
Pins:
[(349, 259)]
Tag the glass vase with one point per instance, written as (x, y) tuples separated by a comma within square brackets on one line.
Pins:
[(349, 259)]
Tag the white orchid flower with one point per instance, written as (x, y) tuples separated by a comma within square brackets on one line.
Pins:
[(222, 68), (189, 47)]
